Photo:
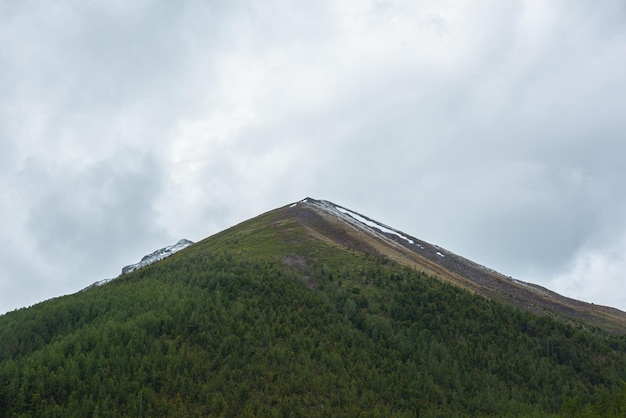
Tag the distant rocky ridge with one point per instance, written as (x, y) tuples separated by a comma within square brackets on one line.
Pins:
[(158, 255), (147, 260)]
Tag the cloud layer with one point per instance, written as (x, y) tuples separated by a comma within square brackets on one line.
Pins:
[(493, 129)]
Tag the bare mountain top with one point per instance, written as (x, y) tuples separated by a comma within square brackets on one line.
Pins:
[(347, 228)]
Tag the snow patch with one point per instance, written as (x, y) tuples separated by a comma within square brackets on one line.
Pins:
[(96, 284), (372, 224), (439, 254), (294, 205)]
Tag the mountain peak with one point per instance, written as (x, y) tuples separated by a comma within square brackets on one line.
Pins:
[(348, 228)]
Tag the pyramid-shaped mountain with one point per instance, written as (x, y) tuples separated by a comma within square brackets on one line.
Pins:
[(312, 309)]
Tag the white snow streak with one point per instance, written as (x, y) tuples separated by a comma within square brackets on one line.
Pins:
[(373, 224)]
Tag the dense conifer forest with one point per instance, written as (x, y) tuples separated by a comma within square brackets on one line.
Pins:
[(266, 320)]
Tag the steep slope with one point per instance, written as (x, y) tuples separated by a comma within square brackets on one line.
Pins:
[(347, 228), (306, 310)]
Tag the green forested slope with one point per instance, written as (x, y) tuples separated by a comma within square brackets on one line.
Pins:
[(265, 320)]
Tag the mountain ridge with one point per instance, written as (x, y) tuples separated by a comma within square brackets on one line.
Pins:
[(146, 260), (410, 251), (157, 255)]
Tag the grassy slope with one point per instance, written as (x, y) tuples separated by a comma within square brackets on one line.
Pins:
[(267, 319)]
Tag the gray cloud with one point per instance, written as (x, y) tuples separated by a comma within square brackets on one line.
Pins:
[(494, 130), (75, 209), (79, 224)]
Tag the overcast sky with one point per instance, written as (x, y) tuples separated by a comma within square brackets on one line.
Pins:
[(493, 129)]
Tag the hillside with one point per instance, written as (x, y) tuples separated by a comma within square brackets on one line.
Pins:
[(352, 230), (308, 310)]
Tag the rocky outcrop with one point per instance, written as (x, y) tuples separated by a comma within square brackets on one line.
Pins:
[(158, 255)]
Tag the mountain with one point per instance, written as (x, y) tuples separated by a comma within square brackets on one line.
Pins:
[(312, 309)]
